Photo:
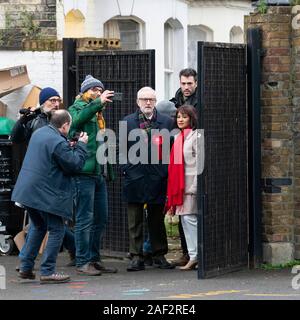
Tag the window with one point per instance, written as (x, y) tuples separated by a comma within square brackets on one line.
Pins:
[(195, 34), (173, 55), (127, 30), (236, 35), (74, 24), (169, 35)]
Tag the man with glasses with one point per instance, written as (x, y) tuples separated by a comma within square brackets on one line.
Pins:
[(91, 201), (30, 121), (146, 184)]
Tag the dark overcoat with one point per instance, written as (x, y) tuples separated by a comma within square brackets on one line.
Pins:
[(145, 183)]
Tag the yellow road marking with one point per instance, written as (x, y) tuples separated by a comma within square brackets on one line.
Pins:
[(222, 292), (203, 294), (273, 294)]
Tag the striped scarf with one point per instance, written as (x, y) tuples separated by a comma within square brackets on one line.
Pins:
[(145, 123)]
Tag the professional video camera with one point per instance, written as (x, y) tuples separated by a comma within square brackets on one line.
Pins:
[(27, 114), (26, 111)]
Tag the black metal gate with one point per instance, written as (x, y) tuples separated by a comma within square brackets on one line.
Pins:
[(121, 71), (223, 199)]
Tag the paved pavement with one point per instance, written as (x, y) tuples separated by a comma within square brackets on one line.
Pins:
[(151, 284)]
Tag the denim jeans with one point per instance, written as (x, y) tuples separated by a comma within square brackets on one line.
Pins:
[(40, 223), (69, 240), (90, 217)]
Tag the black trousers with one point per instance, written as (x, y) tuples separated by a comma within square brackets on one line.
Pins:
[(156, 228), (182, 238)]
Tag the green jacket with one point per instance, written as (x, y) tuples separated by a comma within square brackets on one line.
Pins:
[(84, 118)]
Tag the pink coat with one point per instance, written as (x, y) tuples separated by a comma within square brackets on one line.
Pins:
[(189, 205)]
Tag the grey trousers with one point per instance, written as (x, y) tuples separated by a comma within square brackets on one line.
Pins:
[(156, 229)]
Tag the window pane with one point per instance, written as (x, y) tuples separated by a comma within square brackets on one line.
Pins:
[(129, 34)]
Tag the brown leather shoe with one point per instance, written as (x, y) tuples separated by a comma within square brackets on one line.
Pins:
[(88, 270), (101, 267), (182, 261)]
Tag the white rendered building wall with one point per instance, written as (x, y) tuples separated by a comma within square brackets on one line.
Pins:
[(219, 18), (153, 13), (44, 70)]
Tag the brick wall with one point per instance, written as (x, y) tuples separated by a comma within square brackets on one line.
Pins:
[(21, 19), (280, 106), (295, 92)]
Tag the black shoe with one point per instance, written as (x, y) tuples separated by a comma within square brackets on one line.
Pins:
[(72, 262), (26, 275), (103, 269), (162, 263), (136, 264), (148, 260)]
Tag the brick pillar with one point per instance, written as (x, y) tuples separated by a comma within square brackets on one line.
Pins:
[(277, 118), (295, 88)]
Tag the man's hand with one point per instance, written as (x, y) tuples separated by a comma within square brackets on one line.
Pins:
[(106, 95), (83, 137)]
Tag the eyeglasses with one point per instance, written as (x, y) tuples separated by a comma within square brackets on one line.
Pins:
[(147, 99), (97, 89), (54, 100)]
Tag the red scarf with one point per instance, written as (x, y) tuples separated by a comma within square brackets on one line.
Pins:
[(176, 183)]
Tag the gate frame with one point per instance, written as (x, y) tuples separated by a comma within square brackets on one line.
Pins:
[(201, 196), (254, 53), (71, 85)]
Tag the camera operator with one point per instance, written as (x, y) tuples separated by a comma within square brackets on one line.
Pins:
[(29, 121)]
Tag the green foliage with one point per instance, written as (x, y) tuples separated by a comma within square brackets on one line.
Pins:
[(294, 2), (290, 264), (7, 34), (171, 229), (29, 27), (262, 7), (8, 21), (18, 29)]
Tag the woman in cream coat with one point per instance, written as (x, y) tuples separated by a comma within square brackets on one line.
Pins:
[(186, 207)]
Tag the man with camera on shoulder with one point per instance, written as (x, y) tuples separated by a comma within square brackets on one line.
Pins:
[(30, 121)]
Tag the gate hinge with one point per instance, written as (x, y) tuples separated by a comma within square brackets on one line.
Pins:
[(73, 68)]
